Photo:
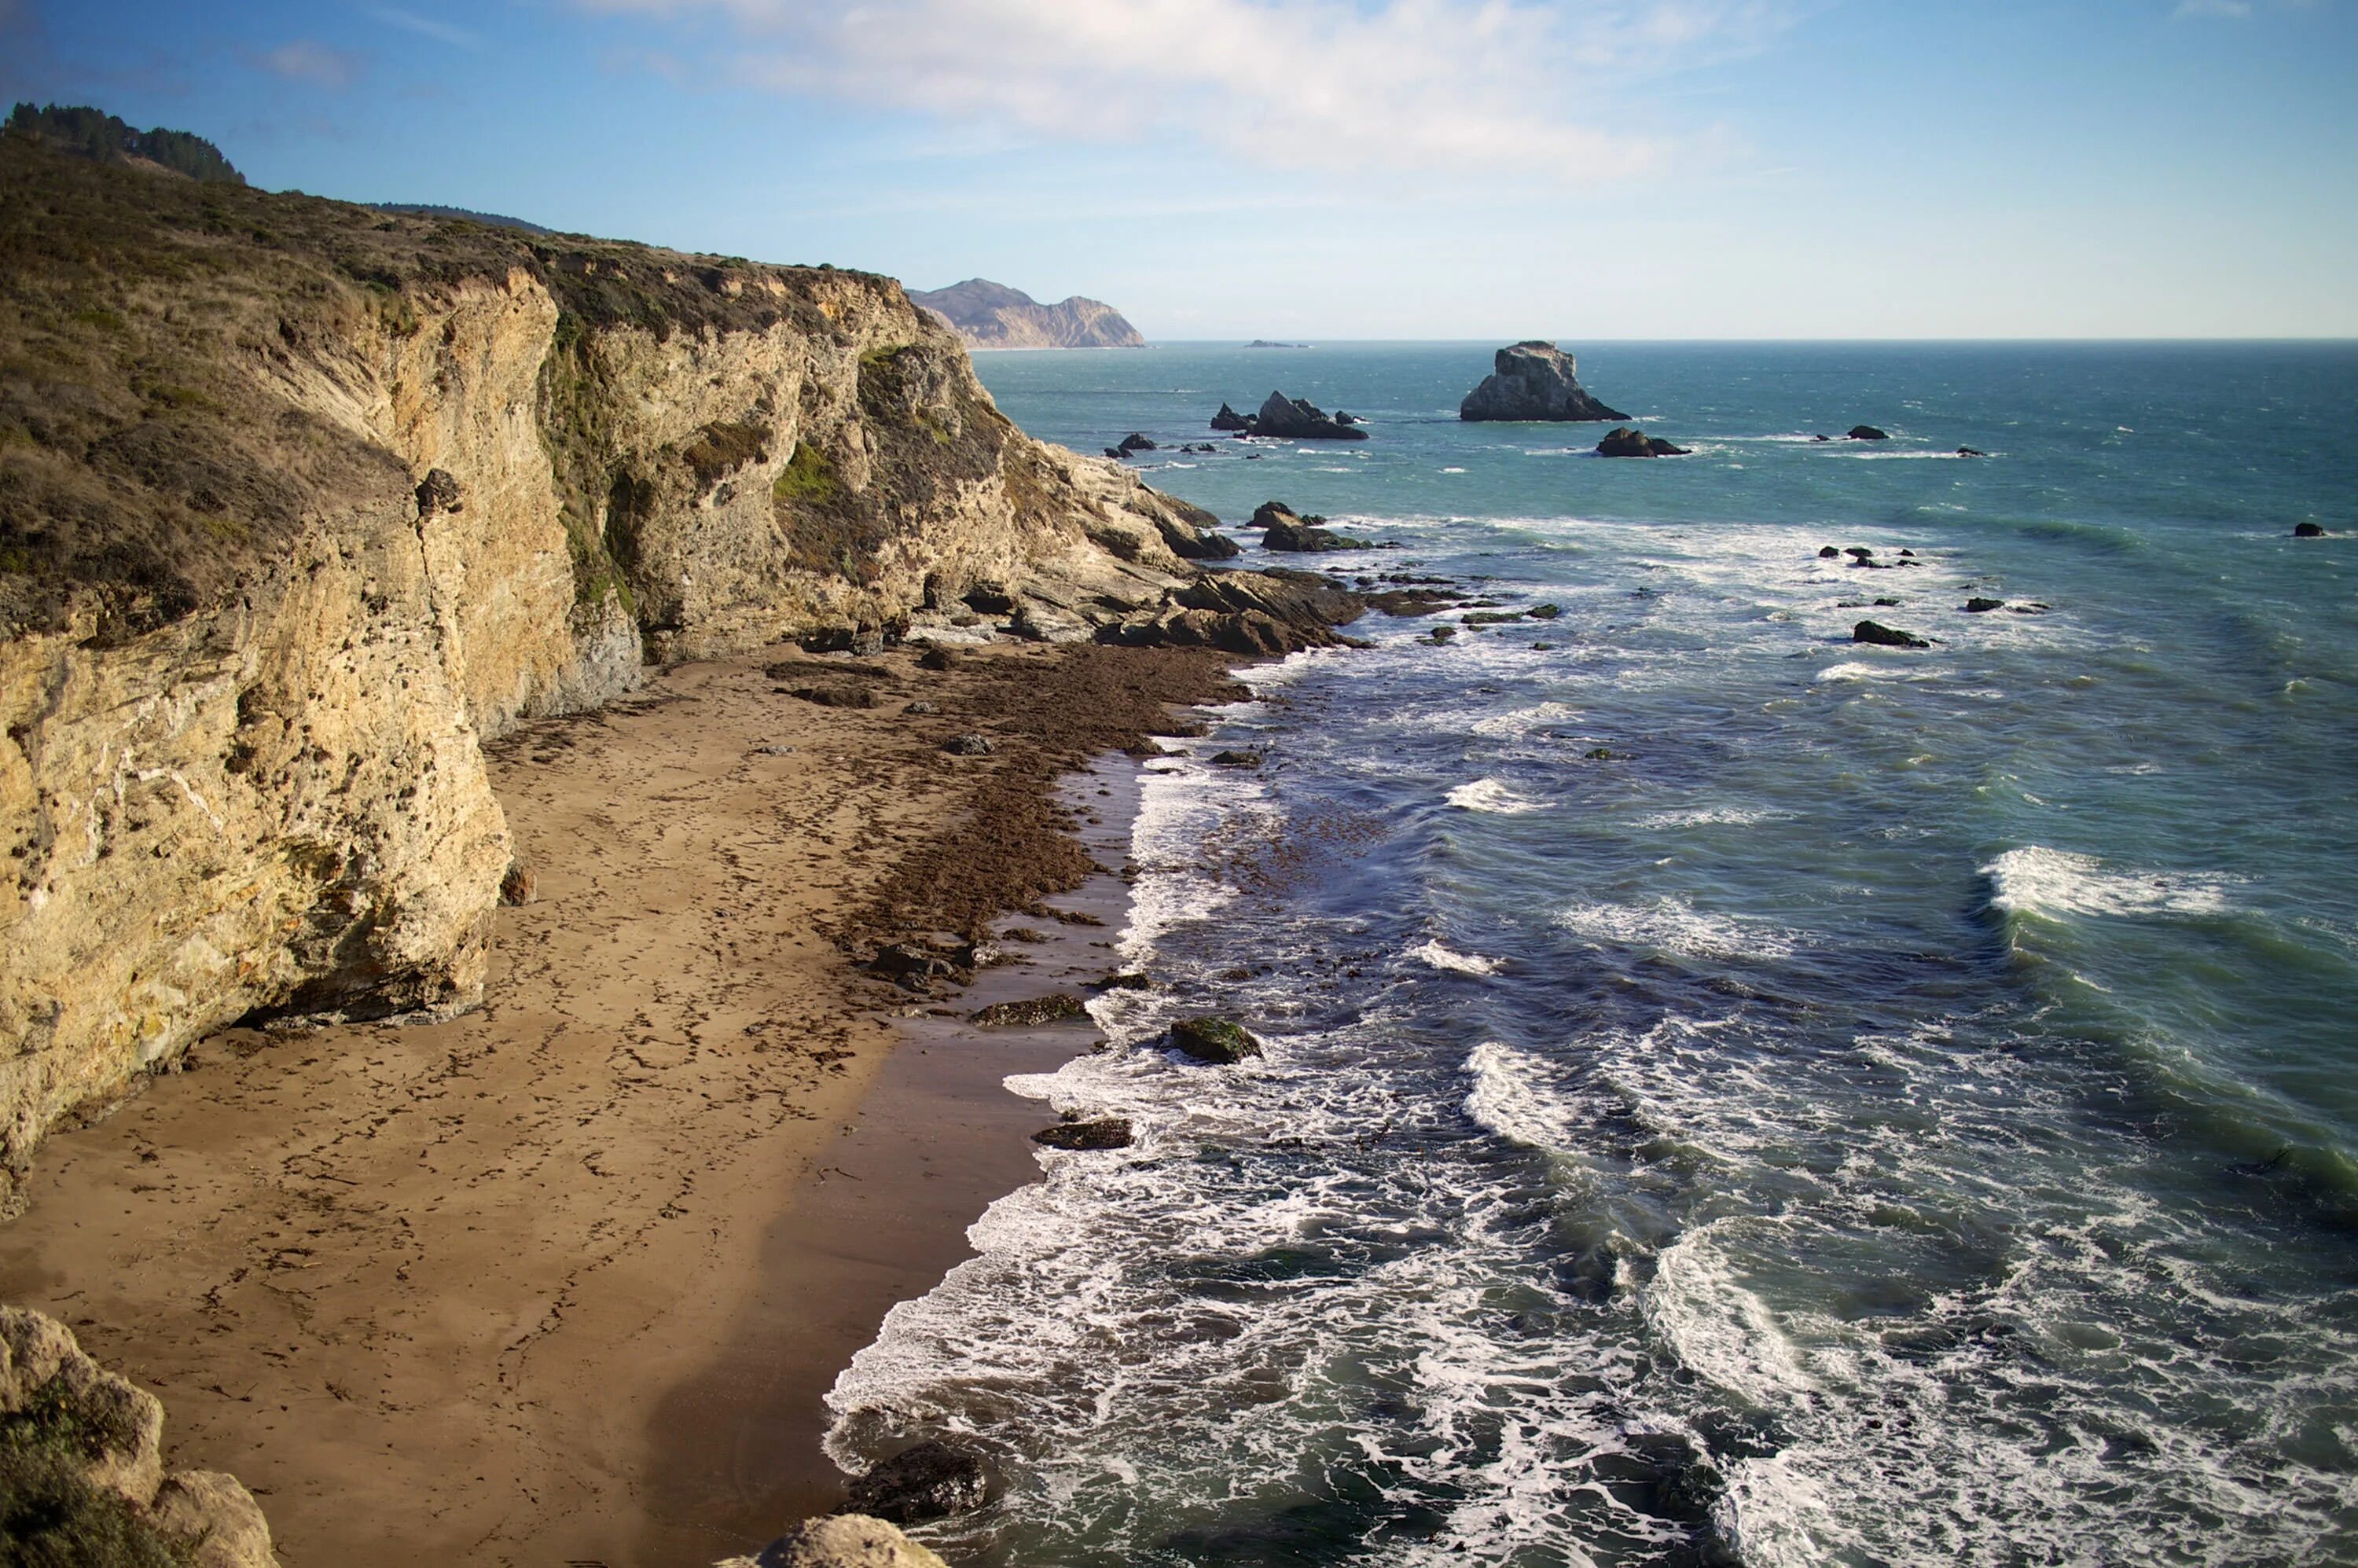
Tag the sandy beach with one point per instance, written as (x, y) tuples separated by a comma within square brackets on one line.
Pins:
[(563, 1279)]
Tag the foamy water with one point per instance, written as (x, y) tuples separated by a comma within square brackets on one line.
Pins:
[(1732, 1093)]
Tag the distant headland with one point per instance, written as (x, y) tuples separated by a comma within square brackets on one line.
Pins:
[(992, 316)]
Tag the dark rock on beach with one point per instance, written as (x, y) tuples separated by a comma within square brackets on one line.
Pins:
[(1236, 759), (1883, 636), (1219, 1041), (1866, 433), (1032, 1012), (840, 695), (1110, 1132), (1533, 381), (1625, 442), (931, 1480), (968, 746)]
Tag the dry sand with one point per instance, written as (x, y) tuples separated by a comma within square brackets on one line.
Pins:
[(563, 1279)]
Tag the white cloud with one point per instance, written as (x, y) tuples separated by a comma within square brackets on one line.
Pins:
[(1458, 84), (316, 63), (425, 27)]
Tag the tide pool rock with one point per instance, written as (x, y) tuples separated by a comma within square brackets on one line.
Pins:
[(931, 1480), (1533, 380), (1220, 1041)]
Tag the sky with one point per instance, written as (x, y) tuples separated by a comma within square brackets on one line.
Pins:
[(1576, 170)]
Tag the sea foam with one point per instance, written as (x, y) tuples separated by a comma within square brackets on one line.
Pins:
[(2035, 879)]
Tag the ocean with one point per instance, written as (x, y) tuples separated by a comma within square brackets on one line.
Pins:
[(1733, 1094)]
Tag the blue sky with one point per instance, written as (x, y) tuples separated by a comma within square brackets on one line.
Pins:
[(1339, 168)]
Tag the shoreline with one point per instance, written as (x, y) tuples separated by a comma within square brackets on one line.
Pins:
[(453, 1290)]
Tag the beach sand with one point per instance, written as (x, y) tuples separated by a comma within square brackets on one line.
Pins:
[(563, 1279)]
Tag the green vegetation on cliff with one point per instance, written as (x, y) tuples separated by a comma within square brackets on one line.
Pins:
[(90, 132)]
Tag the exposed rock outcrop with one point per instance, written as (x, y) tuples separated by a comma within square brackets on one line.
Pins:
[(1291, 418), (1625, 442), (1866, 433), (277, 560), (82, 1460), (992, 316), (841, 1540), (1877, 633), (1533, 381), (1287, 531), (1220, 1041)]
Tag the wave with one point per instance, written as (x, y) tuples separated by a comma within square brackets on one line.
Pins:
[(1672, 926), (1492, 798), (2035, 879), (1711, 817), (1441, 957)]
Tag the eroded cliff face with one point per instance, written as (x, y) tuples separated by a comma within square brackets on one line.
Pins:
[(299, 502)]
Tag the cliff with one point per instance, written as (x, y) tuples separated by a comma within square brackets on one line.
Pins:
[(992, 316), (301, 501)]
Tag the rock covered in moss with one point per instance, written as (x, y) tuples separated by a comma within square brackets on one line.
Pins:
[(1221, 1042)]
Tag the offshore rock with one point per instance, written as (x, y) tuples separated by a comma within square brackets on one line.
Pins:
[(1298, 420), (1533, 381), (1882, 637), (1866, 433), (1287, 531), (1625, 442), (1229, 419)]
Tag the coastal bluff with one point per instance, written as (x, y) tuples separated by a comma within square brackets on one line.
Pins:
[(989, 315), (302, 502), (1533, 381)]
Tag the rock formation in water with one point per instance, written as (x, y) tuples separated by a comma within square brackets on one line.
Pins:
[(1291, 418), (1533, 381), (301, 501), (992, 316), (1624, 442), (81, 1466)]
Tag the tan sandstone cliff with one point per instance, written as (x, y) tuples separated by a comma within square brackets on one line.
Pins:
[(301, 501)]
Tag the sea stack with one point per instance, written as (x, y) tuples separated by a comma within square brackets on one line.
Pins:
[(1533, 381)]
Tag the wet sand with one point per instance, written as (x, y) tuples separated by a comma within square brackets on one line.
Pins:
[(561, 1280)]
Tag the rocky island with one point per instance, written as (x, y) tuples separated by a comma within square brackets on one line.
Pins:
[(1291, 418), (988, 315), (1530, 382)]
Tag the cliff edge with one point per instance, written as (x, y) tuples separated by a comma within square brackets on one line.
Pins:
[(300, 502)]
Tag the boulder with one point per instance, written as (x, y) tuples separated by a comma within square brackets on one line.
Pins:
[(1980, 606), (438, 492), (218, 1518), (1546, 611), (1828, 552), (1229, 419), (931, 1480), (1884, 636), (1236, 759), (840, 695), (1219, 1041), (1109, 1132), (519, 887), (968, 746), (841, 1540), (1970, 452), (2307, 531), (1625, 442), (1343, 419), (1135, 442), (1294, 535), (1866, 433), (1297, 419), (1533, 381)]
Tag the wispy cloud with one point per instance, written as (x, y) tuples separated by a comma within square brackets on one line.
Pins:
[(1319, 83), (2235, 8), (424, 26), (309, 61)]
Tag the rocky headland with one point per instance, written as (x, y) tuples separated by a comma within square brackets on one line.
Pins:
[(304, 507), (1533, 381), (989, 315)]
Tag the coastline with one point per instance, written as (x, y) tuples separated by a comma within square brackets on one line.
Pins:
[(561, 1277)]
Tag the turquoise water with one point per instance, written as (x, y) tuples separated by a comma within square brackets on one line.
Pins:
[(1889, 1107)]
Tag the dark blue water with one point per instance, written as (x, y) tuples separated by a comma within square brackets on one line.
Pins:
[(1733, 1094)]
